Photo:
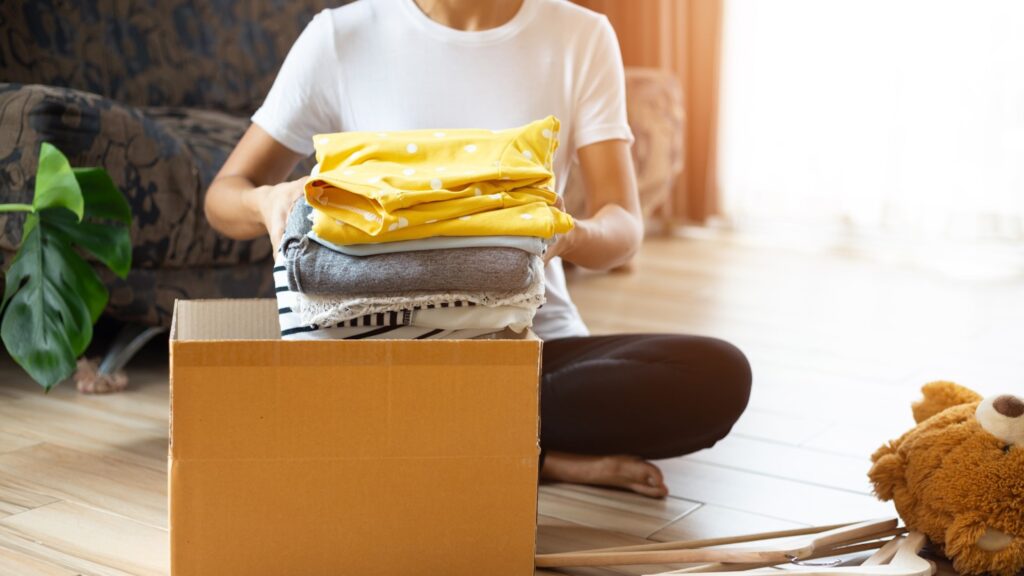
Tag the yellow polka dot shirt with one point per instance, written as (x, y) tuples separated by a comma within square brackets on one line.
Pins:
[(407, 185)]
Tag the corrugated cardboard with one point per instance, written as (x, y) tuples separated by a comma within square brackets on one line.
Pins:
[(309, 458)]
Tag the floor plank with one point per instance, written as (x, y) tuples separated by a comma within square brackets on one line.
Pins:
[(10, 441), (94, 479), (16, 498), (791, 463), (795, 501), (556, 535), (611, 510), (40, 550), (782, 428), (87, 428), (715, 521), (101, 538), (15, 562)]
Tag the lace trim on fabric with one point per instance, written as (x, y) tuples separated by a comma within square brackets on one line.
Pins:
[(330, 310)]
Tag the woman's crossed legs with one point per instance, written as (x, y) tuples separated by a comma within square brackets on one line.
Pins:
[(609, 403)]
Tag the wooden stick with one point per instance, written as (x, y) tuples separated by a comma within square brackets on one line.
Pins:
[(905, 562), (884, 554), (771, 555), (850, 533), (848, 547), (845, 548), (708, 542), (907, 555), (838, 551)]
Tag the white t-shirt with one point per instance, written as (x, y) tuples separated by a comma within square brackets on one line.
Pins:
[(384, 65)]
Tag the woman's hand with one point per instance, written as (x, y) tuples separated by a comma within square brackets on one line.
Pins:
[(275, 203), (613, 230), (562, 242), (245, 200)]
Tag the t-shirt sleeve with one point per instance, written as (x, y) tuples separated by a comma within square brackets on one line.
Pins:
[(302, 102), (601, 91)]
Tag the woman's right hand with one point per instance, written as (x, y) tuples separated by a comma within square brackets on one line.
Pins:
[(241, 202), (275, 203)]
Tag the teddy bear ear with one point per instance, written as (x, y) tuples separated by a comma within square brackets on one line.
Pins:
[(887, 472), (941, 395)]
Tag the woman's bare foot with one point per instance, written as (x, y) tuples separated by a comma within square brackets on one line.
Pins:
[(626, 472)]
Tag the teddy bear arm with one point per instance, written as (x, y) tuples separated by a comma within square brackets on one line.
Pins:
[(887, 472)]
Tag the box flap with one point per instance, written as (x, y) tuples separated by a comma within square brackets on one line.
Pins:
[(245, 319)]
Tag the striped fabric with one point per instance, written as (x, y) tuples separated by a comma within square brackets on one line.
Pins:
[(390, 325)]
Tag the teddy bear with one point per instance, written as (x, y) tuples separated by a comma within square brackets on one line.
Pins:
[(958, 477)]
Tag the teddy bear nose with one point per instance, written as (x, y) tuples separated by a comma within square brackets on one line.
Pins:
[(1003, 417), (1009, 406)]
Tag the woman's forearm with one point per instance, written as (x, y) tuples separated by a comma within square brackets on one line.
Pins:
[(613, 233), (233, 207), (608, 239), (245, 198)]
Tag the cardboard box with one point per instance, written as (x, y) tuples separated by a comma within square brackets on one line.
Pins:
[(309, 458)]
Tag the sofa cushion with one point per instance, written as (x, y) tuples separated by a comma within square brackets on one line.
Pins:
[(162, 160), (147, 296)]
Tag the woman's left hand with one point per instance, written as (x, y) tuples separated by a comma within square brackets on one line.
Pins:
[(610, 234), (562, 242), (560, 246)]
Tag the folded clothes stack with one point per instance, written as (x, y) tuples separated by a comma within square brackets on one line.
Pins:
[(420, 234)]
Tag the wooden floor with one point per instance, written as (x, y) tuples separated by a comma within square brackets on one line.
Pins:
[(839, 348)]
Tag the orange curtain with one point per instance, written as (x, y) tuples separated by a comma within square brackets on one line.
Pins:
[(684, 37)]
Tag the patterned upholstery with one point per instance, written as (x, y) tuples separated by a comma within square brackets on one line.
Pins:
[(212, 54), (157, 92)]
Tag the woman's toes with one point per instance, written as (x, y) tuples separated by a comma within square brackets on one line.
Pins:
[(640, 476), (649, 491), (654, 476), (626, 472)]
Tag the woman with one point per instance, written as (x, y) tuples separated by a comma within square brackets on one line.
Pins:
[(607, 402)]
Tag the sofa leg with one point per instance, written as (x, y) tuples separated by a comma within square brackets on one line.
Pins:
[(108, 375), (130, 339)]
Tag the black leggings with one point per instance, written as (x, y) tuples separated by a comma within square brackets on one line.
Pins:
[(646, 395)]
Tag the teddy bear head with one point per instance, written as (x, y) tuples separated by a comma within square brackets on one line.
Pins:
[(958, 477)]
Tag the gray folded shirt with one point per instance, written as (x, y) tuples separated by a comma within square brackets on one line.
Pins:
[(315, 269), (532, 244)]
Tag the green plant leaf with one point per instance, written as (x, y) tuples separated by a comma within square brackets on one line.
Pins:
[(111, 244), (75, 276), (56, 185), (52, 296), (102, 198), (42, 324), (104, 206)]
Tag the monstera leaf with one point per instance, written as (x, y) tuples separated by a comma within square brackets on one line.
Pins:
[(52, 296)]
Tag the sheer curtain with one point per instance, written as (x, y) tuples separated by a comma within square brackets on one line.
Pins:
[(893, 118)]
